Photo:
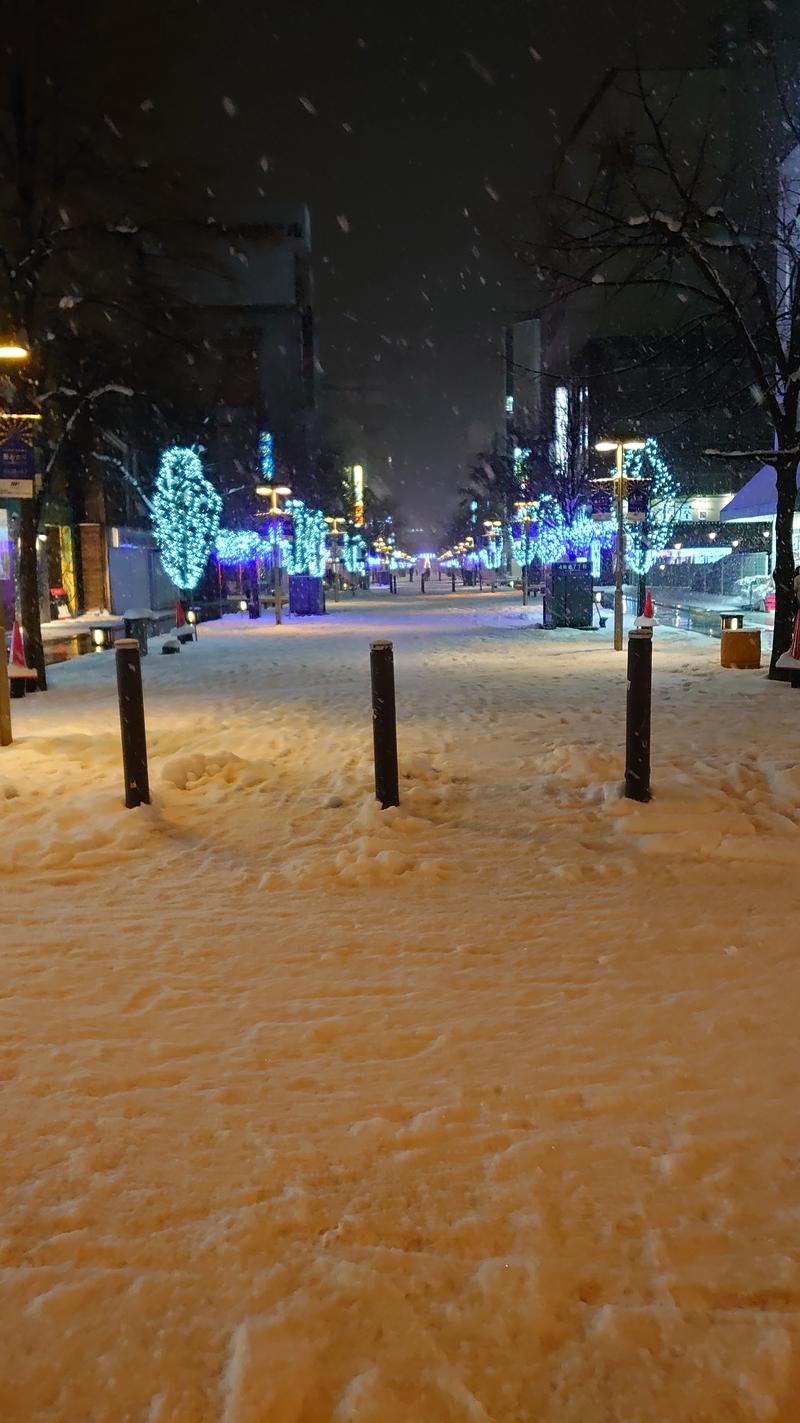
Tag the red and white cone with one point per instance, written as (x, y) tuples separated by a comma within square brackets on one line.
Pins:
[(794, 651), (21, 677)]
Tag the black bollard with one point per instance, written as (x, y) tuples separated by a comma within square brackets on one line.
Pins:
[(453, 582), (422, 584), (637, 721), (131, 720), (384, 723)]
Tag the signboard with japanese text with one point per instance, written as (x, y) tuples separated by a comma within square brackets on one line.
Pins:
[(17, 458)]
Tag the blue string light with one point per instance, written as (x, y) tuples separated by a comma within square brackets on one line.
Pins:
[(266, 456), (238, 546), (186, 510), (306, 550), (645, 541), (354, 553)]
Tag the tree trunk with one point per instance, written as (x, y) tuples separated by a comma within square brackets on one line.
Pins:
[(29, 590), (783, 573)]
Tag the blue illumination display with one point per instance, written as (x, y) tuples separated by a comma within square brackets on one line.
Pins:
[(646, 540), (237, 546), (186, 510), (306, 548), (266, 456)]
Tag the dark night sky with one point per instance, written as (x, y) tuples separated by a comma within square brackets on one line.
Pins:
[(421, 110)]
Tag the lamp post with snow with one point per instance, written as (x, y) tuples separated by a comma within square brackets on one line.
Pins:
[(619, 446), (274, 492), (334, 520)]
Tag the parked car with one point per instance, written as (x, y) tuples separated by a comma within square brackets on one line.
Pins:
[(742, 586)]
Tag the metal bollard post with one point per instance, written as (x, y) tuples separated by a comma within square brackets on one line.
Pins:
[(5, 703), (384, 723), (637, 719), (453, 582), (131, 720)]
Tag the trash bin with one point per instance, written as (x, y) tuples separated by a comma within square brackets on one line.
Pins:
[(740, 647), (136, 626), (306, 595), (567, 601)]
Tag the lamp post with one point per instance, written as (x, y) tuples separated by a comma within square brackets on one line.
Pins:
[(525, 518), (334, 520), (274, 493), (619, 446), (14, 352), (494, 530)]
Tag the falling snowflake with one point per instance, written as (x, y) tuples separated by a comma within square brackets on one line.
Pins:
[(534, 54), (263, 163), (230, 107), (343, 222), (146, 106), (480, 69), (109, 122), (493, 193), (348, 128), (307, 104)]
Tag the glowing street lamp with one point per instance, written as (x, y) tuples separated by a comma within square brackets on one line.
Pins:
[(13, 351), (619, 446)]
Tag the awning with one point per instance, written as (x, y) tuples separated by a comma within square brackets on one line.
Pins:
[(757, 499)]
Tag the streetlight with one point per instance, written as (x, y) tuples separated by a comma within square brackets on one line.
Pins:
[(525, 519), (274, 493), (11, 350), (619, 446), (334, 520)]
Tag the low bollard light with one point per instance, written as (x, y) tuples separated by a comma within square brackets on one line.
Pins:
[(730, 622)]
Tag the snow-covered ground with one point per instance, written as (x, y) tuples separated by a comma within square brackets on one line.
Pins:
[(481, 1109)]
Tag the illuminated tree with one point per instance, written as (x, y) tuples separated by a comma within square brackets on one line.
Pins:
[(186, 510), (644, 541)]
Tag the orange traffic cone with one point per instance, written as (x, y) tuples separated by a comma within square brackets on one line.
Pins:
[(794, 651), (648, 604), (180, 616)]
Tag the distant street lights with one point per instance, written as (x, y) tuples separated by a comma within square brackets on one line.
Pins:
[(619, 446)]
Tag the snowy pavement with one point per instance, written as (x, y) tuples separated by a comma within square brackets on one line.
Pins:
[(481, 1109)]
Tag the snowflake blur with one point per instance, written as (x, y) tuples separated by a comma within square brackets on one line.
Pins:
[(186, 511)]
